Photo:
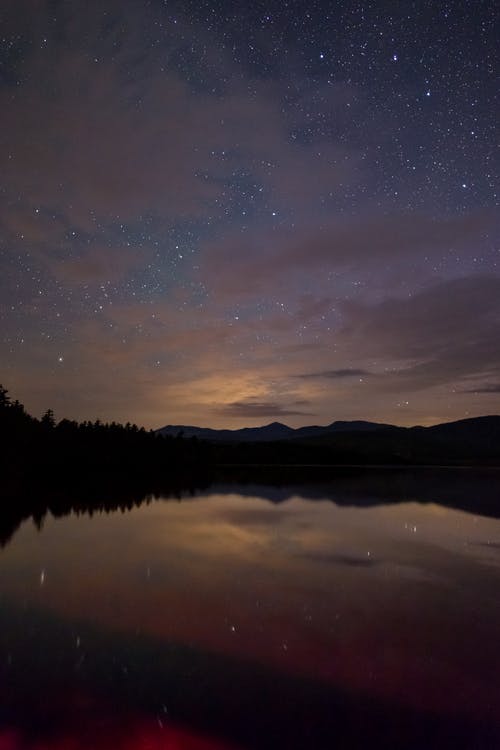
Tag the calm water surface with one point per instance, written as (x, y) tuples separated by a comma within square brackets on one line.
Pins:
[(232, 620)]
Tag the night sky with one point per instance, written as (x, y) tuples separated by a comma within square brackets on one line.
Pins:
[(227, 214)]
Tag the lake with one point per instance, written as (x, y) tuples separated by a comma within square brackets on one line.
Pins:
[(359, 611)]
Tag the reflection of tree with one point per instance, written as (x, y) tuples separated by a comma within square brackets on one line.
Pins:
[(88, 495)]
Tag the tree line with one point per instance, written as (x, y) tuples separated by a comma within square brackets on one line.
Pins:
[(47, 447)]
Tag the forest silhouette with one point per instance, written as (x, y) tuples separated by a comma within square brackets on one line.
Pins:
[(59, 449)]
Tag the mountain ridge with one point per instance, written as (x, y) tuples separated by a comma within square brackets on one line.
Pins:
[(277, 431)]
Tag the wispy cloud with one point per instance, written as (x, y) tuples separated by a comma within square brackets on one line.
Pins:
[(347, 372), (488, 388), (239, 264), (250, 409), (440, 335)]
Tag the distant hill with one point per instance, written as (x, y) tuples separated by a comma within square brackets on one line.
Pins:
[(273, 431), (474, 441), (269, 432)]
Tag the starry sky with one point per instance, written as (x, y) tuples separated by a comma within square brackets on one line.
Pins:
[(229, 213)]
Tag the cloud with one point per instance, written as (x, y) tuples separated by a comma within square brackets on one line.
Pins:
[(339, 559), (251, 409), (104, 139), (87, 144), (488, 388), (245, 264), (348, 372), (443, 334), (99, 263)]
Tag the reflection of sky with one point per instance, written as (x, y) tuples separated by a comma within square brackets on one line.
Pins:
[(398, 601), (135, 736)]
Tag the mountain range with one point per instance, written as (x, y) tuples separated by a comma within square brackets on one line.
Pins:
[(474, 441), (270, 432), (478, 429)]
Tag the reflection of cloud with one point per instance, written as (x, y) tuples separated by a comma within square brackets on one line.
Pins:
[(256, 516), (259, 580)]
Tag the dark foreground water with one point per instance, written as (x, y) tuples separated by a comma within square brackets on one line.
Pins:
[(258, 617)]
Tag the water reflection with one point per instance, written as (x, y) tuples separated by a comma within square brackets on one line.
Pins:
[(233, 621), (474, 490)]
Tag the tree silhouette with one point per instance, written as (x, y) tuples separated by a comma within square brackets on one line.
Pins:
[(4, 398), (48, 422)]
